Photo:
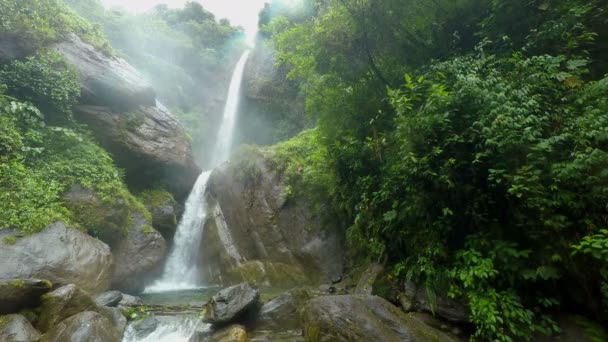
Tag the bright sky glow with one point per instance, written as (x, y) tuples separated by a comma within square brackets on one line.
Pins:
[(240, 12)]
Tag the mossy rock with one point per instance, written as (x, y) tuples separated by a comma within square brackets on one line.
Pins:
[(267, 273), (163, 208), (18, 294), (108, 219), (363, 318), (62, 303)]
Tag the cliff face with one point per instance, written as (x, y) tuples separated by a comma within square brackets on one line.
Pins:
[(121, 110), (254, 233)]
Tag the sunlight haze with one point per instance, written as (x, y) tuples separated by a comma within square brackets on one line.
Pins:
[(240, 12)]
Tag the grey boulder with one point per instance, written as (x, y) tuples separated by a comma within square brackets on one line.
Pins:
[(363, 318), (138, 257), (110, 298), (60, 254), (86, 326), (62, 303), (16, 328), (231, 303)]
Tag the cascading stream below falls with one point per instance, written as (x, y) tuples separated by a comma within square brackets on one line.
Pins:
[(181, 269)]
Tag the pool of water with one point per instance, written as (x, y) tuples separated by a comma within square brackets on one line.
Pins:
[(199, 296), (181, 328)]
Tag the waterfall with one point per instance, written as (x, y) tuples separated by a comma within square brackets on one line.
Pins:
[(181, 269)]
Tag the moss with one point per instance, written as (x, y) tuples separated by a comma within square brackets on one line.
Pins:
[(276, 273), (156, 197), (18, 283), (10, 240), (134, 119), (146, 229)]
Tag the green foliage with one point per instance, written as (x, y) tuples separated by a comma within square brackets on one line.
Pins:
[(46, 80), (137, 313), (480, 174), (38, 23)]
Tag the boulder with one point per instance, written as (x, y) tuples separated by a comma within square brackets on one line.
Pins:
[(111, 298), (18, 294), (443, 307), (16, 328), (163, 208), (281, 312), (141, 329), (105, 80), (231, 303), (276, 336), (148, 142), (119, 321), (368, 278), (62, 255), (86, 326), (231, 333), (107, 220), (121, 110), (139, 257), (251, 223), (363, 318), (62, 303), (128, 300)]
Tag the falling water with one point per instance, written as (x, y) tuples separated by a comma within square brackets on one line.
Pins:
[(181, 270)]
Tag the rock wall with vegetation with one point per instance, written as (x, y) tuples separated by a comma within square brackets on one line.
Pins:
[(468, 146), (259, 230)]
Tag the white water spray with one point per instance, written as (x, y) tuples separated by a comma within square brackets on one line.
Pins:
[(181, 270)]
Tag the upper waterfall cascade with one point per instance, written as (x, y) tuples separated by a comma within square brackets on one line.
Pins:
[(181, 269)]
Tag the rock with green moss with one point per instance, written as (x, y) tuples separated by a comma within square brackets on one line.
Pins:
[(266, 273), (106, 219), (88, 326), (368, 278), (139, 257), (18, 294), (62, 255), (250, 218), (62, 303), (281, 313), (363, 318), (163, 208), (231, 333), (16, 328)]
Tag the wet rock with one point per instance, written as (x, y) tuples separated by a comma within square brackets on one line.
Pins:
[(327, 289), (368, 278), (62, 303), (144, 327), (119, 321), (61, 255), (443, 307), (163, 208), (17, 294), (86, 326), (16, 328), (406, 302), (281, 313), (128, 300), (251, 221), (363, 318), (139, 257), (277, 336), (111, 298), (266, 274), (231, 303), (231, 333)]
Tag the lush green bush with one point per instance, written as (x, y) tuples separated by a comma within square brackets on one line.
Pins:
[(484, 176), (46, 80), (38, 23)]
